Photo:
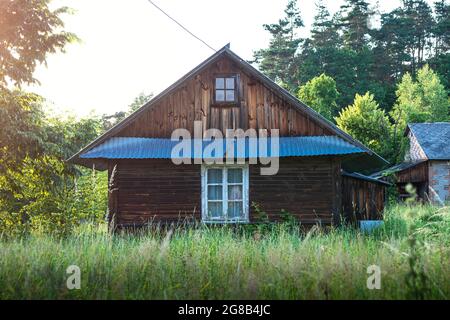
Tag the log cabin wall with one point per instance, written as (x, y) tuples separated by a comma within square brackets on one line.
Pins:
[(154, 190), (362, 200), (157, 190), (257, 107), (303, 187)]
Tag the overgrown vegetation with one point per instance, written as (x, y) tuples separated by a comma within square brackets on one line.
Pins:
[(52, 213), (228, 263)]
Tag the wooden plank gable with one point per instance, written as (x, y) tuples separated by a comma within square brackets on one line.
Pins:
[(258, 107)]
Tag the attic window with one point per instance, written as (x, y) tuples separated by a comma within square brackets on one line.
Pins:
[(225, 89)]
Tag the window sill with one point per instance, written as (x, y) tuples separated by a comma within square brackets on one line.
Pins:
[(225, 221), (224, 105)]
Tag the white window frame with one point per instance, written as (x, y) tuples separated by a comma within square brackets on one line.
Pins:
[(245, 191)]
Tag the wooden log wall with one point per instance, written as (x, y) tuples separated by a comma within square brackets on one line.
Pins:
[(258, 108), (303, 187), (418, 173), (362, 200), (157, 190)]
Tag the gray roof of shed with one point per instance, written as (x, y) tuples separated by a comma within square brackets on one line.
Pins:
[(433, 138)]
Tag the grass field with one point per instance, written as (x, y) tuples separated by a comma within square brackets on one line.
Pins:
[(412, 250)]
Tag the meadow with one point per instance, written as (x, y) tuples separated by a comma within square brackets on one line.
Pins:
[(412, 250)]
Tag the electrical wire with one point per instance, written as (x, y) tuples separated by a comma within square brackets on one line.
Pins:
[(179, 24)]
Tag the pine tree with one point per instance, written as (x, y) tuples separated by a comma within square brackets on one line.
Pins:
[(441, 30), (324, 32), (355, 23), (418, 23), (278, 61)]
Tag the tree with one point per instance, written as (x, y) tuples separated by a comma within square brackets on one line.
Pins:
[(422, 100), (110, 120), (139, 101), (355, 23), (418, 23), (441, 28), (323, 31), (21, 127), (29, 30), (278, 61), (320, 93), (368, 123)]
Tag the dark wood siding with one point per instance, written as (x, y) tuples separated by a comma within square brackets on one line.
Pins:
[(158, 190), (303, 187), (418, 173), (362, 200), (257, 108), (417, 176)]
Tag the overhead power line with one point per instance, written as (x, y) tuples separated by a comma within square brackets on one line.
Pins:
[(183, 27)]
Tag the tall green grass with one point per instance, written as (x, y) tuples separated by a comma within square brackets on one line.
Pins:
[(225, 263)]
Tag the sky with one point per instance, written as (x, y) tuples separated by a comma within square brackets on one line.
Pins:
[(128, 46)]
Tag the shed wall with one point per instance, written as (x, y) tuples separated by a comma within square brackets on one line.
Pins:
[(362, 200)]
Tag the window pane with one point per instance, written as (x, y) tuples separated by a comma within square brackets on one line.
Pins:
[(220, 83), (214, 192), (230, 83), (220, 95), (235, 192), (215, 209), (235, 175), (235, 210), (230, 95), (214, 175)]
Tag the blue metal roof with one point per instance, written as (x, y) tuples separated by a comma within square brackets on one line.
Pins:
[(156, 148)]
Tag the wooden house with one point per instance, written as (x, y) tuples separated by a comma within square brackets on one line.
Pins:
[(427, 164), (225, 92)]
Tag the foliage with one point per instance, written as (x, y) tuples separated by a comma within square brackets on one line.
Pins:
[(44, 196), (365, 121), (37, 188), (21, 121), (139, 101), (423, 100), (29, 30), (320, 94), (361, 57), (220, 263), (279, 60), (355, 23), (109, 121)]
